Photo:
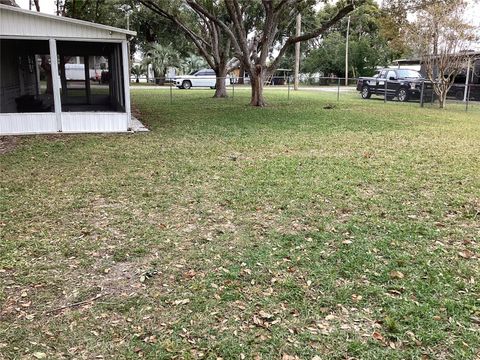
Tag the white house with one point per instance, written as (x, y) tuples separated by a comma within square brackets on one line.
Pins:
[(35, 94)]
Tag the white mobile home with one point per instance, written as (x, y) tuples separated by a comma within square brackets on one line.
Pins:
[(35, 94)]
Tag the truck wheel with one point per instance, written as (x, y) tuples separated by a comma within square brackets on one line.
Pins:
[(366, 94), (186, 84), (402, 95)]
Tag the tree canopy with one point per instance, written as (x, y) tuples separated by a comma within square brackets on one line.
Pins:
[(367, 48)]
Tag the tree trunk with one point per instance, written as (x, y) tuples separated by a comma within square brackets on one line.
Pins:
[(220, 87), (241, 74), (441, 102), (256, 82), (441, 90), (442, 99)]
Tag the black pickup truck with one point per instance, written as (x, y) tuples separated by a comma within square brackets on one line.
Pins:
[(403, 84)]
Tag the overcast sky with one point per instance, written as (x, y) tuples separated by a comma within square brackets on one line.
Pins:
[(49, 7)]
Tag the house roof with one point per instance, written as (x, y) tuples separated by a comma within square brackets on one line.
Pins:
[(15, 21), (414, 61)]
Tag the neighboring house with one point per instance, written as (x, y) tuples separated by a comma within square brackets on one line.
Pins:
[(38, 56), (473, 73)]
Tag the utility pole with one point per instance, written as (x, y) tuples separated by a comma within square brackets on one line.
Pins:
[(297, 53), (346, 52)]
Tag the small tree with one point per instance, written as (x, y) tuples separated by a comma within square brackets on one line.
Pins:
[(161, 58), (442, 38), (192, 63), (138, 70)]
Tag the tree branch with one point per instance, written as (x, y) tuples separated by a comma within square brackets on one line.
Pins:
[(198, 41), (200, 9), (315, 33)]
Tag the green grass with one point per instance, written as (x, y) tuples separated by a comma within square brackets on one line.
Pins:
[(291, 230)]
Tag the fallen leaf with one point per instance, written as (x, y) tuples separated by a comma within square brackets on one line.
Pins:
[(377, 336), (396, 275), (466, 254), (39, 355), (190, 273), (356, 297), (258, 321), (181, 302), (265, 315)]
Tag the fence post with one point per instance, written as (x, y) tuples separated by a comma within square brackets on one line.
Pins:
[(421, 94), (288, 83), (171, 92), (385, 97), (338, 89), (468, 97)]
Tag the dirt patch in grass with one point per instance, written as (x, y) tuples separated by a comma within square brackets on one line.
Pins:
[(8, 144)]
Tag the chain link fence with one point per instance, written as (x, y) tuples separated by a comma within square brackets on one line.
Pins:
[(278, 89)]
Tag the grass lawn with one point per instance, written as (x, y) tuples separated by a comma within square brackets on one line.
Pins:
[(290, 232)]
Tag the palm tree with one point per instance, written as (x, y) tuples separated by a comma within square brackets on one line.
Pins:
[(161, 58), (193, 62), (138, 70)]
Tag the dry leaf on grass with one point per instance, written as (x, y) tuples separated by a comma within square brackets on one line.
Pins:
[(396, 274), (289, 357), (466, 254), (181, 302), (265, 315), (377, 336)]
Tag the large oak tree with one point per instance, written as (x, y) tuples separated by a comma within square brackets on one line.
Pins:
[(257, 55), (208, 36), (259, 48)]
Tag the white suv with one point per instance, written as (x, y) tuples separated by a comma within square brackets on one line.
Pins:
[(200, 78)]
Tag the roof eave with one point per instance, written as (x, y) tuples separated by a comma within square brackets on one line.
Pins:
[(68, 20)]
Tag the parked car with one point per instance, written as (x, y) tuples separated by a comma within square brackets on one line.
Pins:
[(200, 78), (77, 72), (403, 84)]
